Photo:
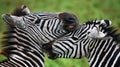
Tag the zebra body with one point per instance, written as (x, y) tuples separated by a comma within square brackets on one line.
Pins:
[(100, 51), (26, 35)]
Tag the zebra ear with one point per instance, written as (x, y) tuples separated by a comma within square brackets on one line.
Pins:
[(25, 9), (106, 23), (13, 20), (21, 11), (8, 19)]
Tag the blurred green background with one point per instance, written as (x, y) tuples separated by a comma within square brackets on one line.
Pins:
[(84, 9)]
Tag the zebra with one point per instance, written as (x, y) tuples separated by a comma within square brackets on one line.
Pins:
[(101, 49), (27, 33)]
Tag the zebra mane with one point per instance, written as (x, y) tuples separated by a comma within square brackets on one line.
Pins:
[(96, 22), (91, 22)]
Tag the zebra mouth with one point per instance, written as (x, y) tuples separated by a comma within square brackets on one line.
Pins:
[(70, 28)]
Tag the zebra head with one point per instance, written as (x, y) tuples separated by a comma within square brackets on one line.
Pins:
[(49, 26), (64, 46)]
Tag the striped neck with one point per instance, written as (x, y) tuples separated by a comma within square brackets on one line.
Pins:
[(101, 51), (22, 49)]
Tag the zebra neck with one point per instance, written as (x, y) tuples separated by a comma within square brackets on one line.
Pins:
[(100, 50), (96, 45), (22, 50)]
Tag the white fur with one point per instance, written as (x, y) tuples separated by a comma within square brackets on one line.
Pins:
[(95, 33)]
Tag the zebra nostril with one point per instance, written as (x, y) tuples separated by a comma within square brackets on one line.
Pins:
[(71, 26)]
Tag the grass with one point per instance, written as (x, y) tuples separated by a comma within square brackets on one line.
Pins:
[(84, 9), (65, 63)]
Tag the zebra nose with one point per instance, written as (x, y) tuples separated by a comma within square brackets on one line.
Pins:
[(70, 21), (70, 27)]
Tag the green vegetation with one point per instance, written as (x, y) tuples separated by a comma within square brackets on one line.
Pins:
[(84, 9)]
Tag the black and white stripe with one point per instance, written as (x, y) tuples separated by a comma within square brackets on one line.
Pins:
[(100, 51), (26, 35)]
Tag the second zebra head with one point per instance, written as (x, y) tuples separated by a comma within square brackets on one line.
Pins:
[(96, 29)]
